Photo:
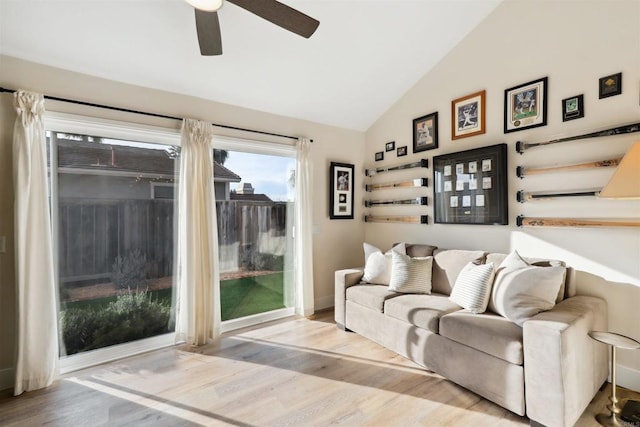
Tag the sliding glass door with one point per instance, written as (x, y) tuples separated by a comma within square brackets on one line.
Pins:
[(112, 203), (254, 207)]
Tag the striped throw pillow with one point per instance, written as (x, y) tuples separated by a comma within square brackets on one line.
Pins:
[(472, 289), (410, 275)]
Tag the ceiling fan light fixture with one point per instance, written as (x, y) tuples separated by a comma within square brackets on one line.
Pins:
[(206, 5)]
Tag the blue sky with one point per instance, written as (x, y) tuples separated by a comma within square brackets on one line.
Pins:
[(268, 174)]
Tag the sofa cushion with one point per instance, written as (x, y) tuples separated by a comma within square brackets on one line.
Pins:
[(497, 259), (487, 332), (423, 311), (410, 275), (419, 249), (447, 264), (370, 296)]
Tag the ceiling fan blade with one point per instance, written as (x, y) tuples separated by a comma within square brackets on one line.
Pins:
[(281, 15), (208, 28)]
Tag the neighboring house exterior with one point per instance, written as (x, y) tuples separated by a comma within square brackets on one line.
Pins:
[(87, 169)]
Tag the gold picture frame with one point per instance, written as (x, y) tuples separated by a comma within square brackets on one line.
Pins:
[(468, 115)]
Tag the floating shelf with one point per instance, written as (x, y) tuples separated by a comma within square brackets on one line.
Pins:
[(415, 201), (416, 219), (423, 163)]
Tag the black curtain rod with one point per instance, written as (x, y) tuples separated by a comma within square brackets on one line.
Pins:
[(145, 113)]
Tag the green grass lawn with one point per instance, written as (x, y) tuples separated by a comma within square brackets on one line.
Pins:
[(238, 297), (251, 295)]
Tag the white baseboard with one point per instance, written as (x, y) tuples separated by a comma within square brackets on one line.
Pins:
[(6, 378), (323, 302), (628, 378)]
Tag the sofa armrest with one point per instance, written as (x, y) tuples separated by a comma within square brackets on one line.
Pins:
[(344, 279), (563, 366)]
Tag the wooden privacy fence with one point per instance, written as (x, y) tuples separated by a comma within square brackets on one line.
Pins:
[(93, 232)]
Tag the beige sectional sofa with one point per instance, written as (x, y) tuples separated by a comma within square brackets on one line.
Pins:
[(548, 369)]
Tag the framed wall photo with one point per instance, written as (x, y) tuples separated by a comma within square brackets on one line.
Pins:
[(573, 108), (379, 156), (525, 106), (341, 186), (402, 151), (610, 85), (468, 115), (470, 187), (390, 146), (425, 132)]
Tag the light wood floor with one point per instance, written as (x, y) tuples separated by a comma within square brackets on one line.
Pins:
[(296, 372)]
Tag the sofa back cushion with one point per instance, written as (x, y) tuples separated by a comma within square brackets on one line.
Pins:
[(447, 265), (419, 250)]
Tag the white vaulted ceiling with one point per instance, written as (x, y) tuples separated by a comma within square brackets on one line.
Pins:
[(362, 58)]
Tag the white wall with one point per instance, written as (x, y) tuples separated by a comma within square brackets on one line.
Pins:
[(574, 44), (336, 244)]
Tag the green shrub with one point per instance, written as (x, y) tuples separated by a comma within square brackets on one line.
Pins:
[(130, 317), (130, 271)]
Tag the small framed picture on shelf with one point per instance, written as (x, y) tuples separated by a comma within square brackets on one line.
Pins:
[(425, 132), (573, 108), (468, 115), (341, 191), (379, 156), (525, 106), (402, 151), (390, 146), (610, 85)]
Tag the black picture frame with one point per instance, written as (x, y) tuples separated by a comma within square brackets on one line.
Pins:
[(341, 186), (525, 106), (470, 187), (402, 151), (390, 146), (610, 85), (573, 108), (425, 132), (379, 156)]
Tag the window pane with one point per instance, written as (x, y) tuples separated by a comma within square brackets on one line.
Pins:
[(114, 205), (254, 200)]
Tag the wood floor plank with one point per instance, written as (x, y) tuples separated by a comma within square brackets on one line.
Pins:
[(294, 372)]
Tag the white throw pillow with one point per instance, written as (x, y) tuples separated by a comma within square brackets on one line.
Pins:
[(513, 261), (520, 293), (377, 268), (472, 289), (410, 275)]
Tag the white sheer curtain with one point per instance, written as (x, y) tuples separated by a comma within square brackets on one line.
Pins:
[(198, 305), (37, 356), (304, 230)]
